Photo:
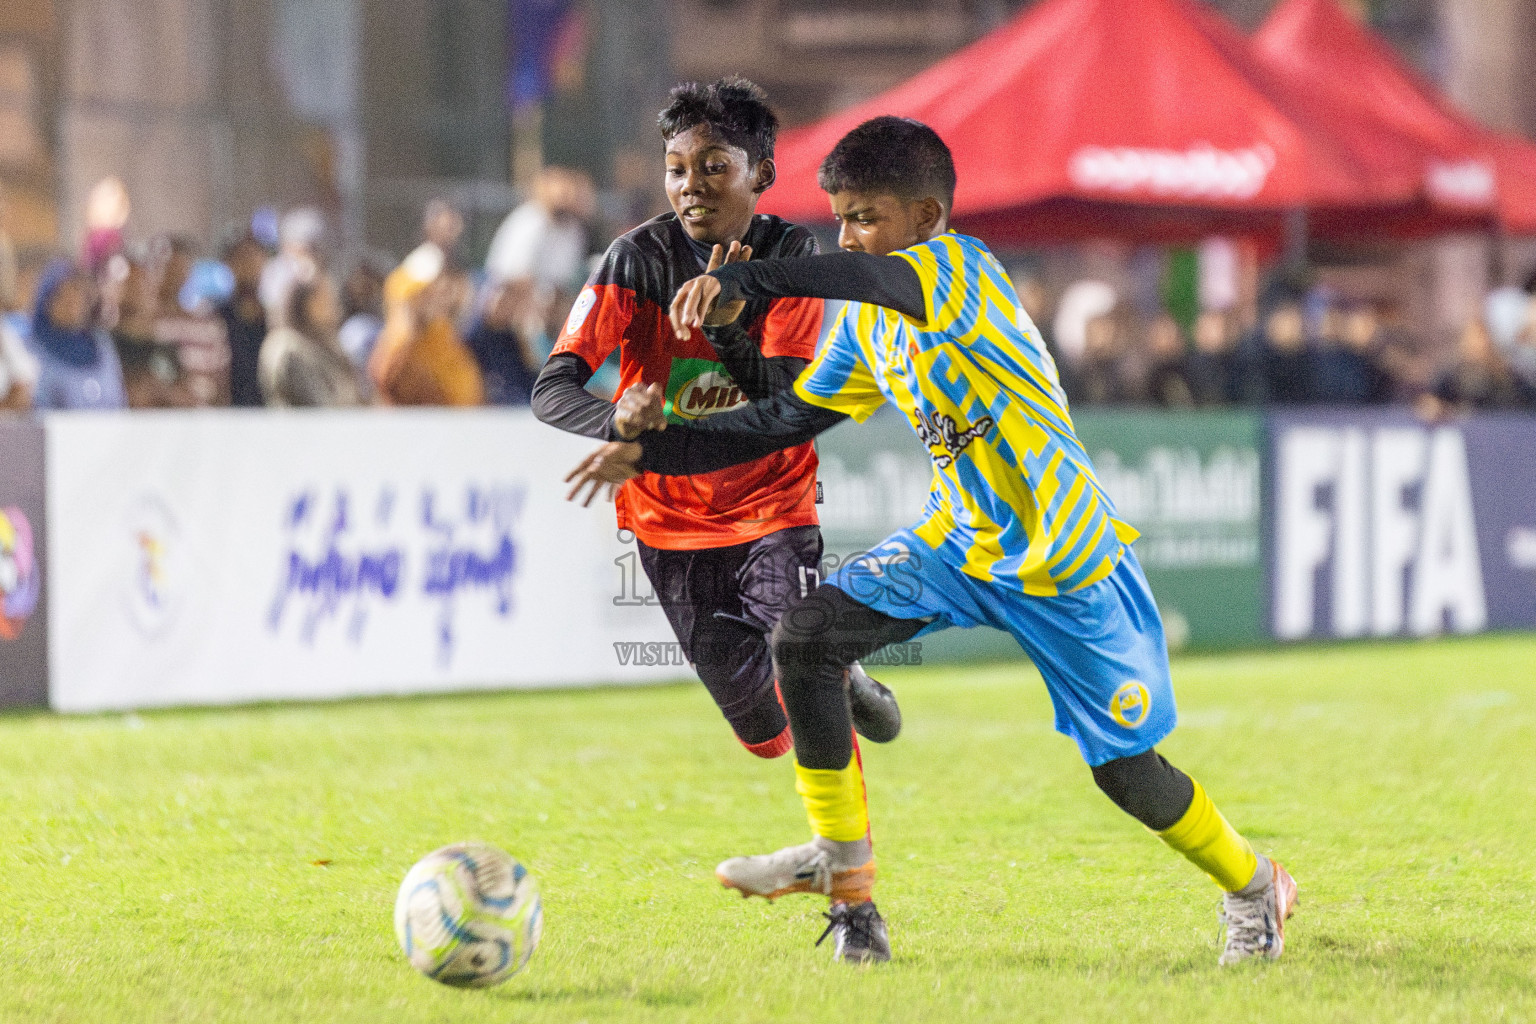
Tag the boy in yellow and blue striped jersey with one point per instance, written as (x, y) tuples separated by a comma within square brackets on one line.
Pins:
[(1016, 532)]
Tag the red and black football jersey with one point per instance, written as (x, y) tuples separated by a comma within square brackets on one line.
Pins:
[(625, 304)]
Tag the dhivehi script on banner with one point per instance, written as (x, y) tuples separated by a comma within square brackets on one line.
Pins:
[(226, 557)]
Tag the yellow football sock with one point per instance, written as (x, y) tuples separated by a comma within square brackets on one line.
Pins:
[(1211, 844), (834, 801)]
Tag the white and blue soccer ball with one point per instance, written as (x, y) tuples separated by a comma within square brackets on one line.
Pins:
[(468, 915)]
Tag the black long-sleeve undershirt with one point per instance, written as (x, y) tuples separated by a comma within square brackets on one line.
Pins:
[(731, 438), (887, 281), (786, 419), (561, 399), (757, 375)]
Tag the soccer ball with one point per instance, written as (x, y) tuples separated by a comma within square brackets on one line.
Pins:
[(468, 915)]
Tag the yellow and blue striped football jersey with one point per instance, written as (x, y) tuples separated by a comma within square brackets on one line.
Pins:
[(1014, 498)]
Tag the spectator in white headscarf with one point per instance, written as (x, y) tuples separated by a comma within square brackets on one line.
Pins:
[(298, 255)]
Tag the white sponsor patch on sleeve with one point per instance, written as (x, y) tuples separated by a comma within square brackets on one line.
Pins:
[(584, 303)]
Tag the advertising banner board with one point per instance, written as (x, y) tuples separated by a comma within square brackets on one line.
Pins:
[(205, 558), (1190, 482), (1385, 525), (225, 557), (24, 569), (1501, 453)]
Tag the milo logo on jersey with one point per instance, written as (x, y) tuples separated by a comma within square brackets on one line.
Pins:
[(699, 387)]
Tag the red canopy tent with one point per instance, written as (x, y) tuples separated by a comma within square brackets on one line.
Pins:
[(1148, 119), (1314, 46)]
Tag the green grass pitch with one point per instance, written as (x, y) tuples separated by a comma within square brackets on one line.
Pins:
[(166, 867)]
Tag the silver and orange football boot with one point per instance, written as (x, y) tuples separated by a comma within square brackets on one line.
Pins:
[(1256, 922)]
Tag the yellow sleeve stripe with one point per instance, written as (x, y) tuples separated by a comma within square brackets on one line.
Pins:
[(925, 260), (925, 277), (858, 409)]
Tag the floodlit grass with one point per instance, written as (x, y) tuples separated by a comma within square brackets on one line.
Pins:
[(162, 868)]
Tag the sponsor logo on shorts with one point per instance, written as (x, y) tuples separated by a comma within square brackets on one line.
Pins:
[(1131, 704)]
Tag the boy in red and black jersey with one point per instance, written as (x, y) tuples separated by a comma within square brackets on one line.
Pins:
[(726, 552)]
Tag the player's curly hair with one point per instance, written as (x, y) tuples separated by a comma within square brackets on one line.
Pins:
[(733, 108), (891, 154)]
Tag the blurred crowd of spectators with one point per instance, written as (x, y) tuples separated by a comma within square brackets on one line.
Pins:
[(1298, 347), (272, 319)]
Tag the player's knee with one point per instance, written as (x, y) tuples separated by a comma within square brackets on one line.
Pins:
[(808, 658), (799, 643), (786, 648), (1146, 787)]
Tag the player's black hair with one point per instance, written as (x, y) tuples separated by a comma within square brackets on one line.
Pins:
[(733, 108), (891, 154)]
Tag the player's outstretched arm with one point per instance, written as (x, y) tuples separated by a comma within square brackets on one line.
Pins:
[(725, 439), (596, 326), (888, 281), (732, 438), (757, 375)]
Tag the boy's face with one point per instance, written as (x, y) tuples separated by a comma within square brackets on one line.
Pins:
[(713, 186), (880, 223)]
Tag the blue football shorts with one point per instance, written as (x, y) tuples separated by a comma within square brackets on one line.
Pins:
[(1100, 649)]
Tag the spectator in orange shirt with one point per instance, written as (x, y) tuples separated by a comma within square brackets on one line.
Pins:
[(419, 358)]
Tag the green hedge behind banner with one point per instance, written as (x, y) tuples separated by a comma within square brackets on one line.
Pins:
[(1190, 482)]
